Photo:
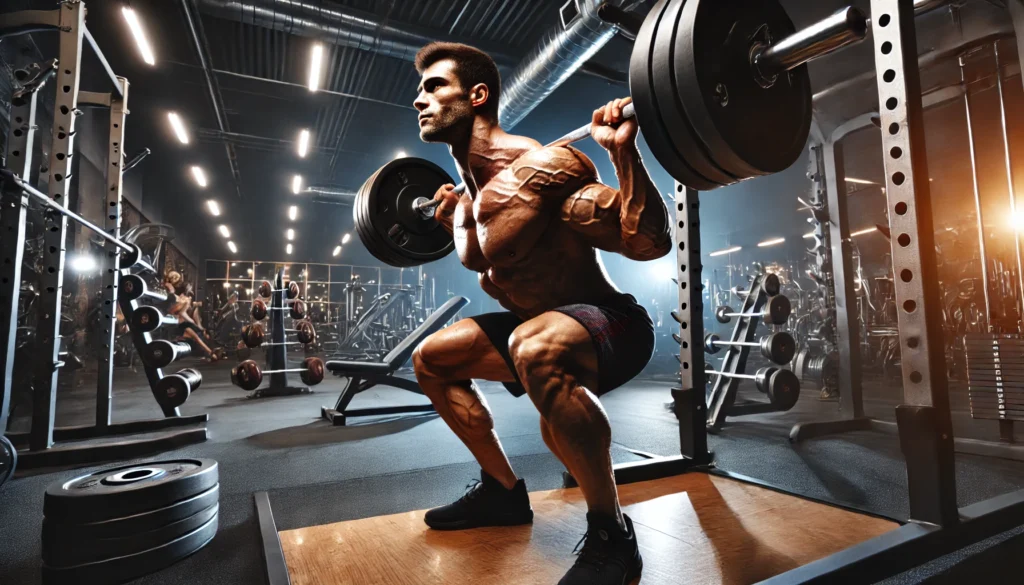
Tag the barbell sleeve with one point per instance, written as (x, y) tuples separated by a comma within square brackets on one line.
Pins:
[(845, 27), (8, 175), (575, 136)]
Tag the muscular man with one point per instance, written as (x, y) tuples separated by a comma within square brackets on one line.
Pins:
[(531, 224)]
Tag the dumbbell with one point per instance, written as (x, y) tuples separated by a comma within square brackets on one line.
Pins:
[(255, 335), (162, 353), (172, 391), (248, 375), (148, 319), (776, 311), (266, 289), (781, 386), (777, 347), (133, 287), (770, 284), (259, 309)]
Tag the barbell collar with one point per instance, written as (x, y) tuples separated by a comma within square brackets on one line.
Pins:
[(847, 26)]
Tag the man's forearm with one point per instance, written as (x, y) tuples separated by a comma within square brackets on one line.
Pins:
[(643, 217)]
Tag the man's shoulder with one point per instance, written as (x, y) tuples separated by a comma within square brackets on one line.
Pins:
[(554, 167)]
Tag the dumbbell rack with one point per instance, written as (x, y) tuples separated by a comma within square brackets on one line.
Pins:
[(277, 354), (39, 445), (722, 397)]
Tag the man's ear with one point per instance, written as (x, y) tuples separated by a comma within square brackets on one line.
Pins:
[(479, 94)]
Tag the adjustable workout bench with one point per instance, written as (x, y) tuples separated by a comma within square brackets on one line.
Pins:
[(361, 376)]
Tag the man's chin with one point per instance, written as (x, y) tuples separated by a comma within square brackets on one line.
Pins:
[(427, 135)]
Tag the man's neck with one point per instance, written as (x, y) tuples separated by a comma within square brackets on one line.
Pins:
[(478, 158)]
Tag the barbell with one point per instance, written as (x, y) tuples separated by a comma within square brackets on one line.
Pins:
[(297, 309), (720, 93), (173, 390), (776, 311), (777, 347), (248, 375), (781, 386)]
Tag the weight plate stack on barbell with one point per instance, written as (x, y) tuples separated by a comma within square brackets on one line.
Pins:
[(118, 524)]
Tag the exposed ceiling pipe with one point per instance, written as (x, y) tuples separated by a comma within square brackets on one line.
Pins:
[(559, 53)]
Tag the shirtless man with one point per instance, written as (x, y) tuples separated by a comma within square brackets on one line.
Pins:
[(530, 224)]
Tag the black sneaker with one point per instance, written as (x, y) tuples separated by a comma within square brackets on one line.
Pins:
[(609, 556), (486, 503)]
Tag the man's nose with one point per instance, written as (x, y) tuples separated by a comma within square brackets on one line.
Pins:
[(420, 103)]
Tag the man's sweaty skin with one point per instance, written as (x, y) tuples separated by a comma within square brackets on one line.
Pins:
[(530, 224)]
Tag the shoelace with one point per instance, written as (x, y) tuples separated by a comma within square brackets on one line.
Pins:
[(473, 489), (592, 551)]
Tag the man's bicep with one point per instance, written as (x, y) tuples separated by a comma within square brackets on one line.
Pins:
[(594, 212)]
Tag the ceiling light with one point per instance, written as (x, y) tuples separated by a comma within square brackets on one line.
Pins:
[(83, 263), (293, 212), (337, 251), (288, 248), (864, 231), (290, 234), (774, 242), (178, 127), (140, 35), (199, 176), (316, 58), (401, 154), (296, 184), (227, 285), (345, 238), (808, 236), (860, 181), (232, 247), (725, 251), (214, 207), (224, 231), (303, 143)]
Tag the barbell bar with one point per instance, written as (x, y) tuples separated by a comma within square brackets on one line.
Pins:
[(770, 284), (248, 375), (778, 347), (701, 136), (776, 311)]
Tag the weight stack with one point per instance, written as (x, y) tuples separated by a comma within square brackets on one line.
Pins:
[(119, 524), (995, 375)]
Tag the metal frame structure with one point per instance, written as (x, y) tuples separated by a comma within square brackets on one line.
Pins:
[(68, 21)]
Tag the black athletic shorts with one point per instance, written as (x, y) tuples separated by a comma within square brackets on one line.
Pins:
[(621, 329)]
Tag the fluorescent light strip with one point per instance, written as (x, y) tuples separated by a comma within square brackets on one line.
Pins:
[(725, 251), (345, 239), (214, 207), (315, 63), (288, 249), (232, 247), (290, 234), (293, 212), (224, 231), (774, 242), (303, 143), (808, 236), (199, 176), (296, 184), (864, 231), (337, 251), (178, 127), (860, 181), (140, 35)]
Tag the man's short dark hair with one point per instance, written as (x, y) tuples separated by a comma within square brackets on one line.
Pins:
[(472, 66)]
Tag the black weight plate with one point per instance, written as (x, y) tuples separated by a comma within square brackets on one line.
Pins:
[(127, 490), (757, 130), (681, 134), (126, 568), (137, 523), (8, 459), (362, 225), (390, 214), (645, 105), (61, 551)]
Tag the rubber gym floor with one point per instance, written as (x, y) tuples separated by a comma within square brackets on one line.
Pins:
[(318, 474)]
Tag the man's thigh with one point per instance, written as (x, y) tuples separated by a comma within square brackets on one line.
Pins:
[(463, 351)]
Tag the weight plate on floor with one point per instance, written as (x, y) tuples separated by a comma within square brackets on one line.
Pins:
[(749, 130), (127, 490), (8, 459), (133, 524), (670, 108), (656, 132), (399, 235), (62, 550), (126, 568)]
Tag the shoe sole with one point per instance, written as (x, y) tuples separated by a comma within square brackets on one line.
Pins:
[(468, 524)]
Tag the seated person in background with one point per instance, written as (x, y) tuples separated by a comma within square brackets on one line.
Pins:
[(188, 329)]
